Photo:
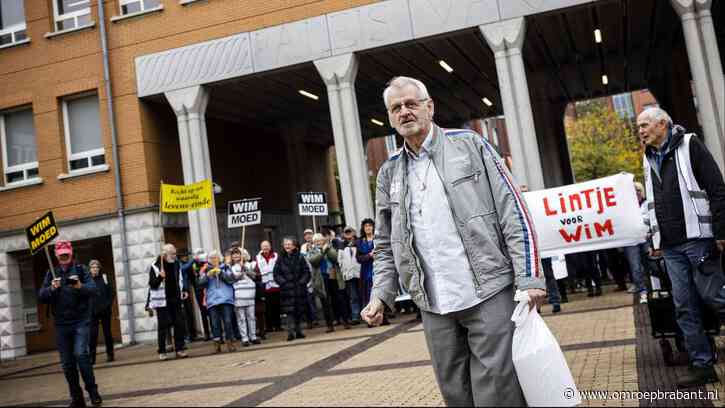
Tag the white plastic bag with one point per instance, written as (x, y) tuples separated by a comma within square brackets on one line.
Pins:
[(540, 365)]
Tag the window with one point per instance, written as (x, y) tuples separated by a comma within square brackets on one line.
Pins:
[(17, 135), (623, 105), (81, 118), (12, 22), (138, 6), (71, 14)]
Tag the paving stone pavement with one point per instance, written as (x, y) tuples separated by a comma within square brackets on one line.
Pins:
[(606, 341)]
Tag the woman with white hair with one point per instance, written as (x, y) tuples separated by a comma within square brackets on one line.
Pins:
[(316, 257), (244, 296), (218, 279)]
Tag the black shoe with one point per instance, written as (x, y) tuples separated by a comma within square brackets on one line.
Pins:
[(697, 376), (330, 329), (207, 338), (263, 336), (564, 299), (300, 335), (110, 358), (385, 321), (355, 322), (290, 337), (256, 341), (598, 291), (77, 403), (246, 344), (556, 309), (96, 399)]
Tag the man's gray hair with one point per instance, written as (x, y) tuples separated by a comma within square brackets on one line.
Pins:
[(657, 114), (402, 81)]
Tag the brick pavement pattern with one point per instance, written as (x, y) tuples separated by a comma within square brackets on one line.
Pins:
[(606, 341)]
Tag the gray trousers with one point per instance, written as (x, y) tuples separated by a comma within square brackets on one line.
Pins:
[(471, 353)]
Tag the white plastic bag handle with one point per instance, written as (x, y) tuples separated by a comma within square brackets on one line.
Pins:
[(522, 309)]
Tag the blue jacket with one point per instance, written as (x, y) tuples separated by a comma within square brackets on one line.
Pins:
[(68, 304), (219, 289)]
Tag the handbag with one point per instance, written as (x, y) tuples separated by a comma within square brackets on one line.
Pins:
[(709, 277)]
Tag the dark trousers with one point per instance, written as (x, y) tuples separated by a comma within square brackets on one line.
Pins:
[(261, 316), (72, 343), (294, 325), (204, 313), (167, 317), (367, 287), (274, 322), (311, 312), (222, 315), (105, 319), (190, 321), (337, 299)]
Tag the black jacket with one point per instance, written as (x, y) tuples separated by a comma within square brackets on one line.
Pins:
[(172, 270), (106, 293), (666, 189), (68, 304), (291, 272)]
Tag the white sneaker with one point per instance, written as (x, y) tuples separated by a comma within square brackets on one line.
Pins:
[(643, 298), (162, 356), (632, 289)]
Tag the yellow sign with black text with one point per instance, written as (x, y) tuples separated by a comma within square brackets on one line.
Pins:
[(41, 232), (190, 197)]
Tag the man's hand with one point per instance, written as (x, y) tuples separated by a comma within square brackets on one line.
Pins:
[(720, 244), (162, 273), (55, 284), (77, 285), (537, 297), (373, 312), (184, 295)]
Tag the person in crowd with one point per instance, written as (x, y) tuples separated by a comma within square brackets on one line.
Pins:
[(266, 260), (244, 296), (307, 237), (192, 270), (364, 253), (687, 197), (188, 304), (459, 268), (334, 282), (551, 285), (635, 253), (236, 331), (259, 300), (316, 257), (102, 311), (350, 269), (69, 291), (584, 266), (218, 280), (292, 273), (168, 290)]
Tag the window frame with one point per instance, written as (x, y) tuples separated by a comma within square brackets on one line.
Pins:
[(143, 9), (13, 30), (24, 167), (70, 15), (88, 154)]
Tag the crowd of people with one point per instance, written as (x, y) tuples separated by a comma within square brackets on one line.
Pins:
[(241, 298)]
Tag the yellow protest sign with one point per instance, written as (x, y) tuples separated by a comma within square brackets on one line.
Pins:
[(190, 197)]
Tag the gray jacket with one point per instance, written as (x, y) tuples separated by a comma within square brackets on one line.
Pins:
[(490, 214)]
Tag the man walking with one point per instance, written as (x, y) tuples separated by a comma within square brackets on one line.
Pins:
[(687, 196), (453, 228), (70, 293)]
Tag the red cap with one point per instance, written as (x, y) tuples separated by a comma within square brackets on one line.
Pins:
[(63, 247)]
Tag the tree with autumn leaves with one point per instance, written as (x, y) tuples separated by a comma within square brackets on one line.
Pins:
[(601, 143)]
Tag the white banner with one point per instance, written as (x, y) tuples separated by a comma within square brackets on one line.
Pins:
[(589, 216)]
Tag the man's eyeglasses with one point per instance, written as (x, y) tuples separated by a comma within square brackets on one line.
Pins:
[(412, 105)]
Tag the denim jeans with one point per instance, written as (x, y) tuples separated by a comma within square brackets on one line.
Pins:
[(552, 286), (353, 293), (634, 258), (72, 342), (681, 261), (222, 315)]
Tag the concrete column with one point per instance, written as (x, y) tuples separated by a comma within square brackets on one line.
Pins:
[(339, 74), (701, 74), (190, 104), (298, 170), (506, 40), (12, 321), (712, 53)]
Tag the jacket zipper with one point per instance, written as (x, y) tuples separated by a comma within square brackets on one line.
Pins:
[(473, 176)]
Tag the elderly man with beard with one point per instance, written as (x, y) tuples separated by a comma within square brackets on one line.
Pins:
[(70, 292), (453, 229)]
